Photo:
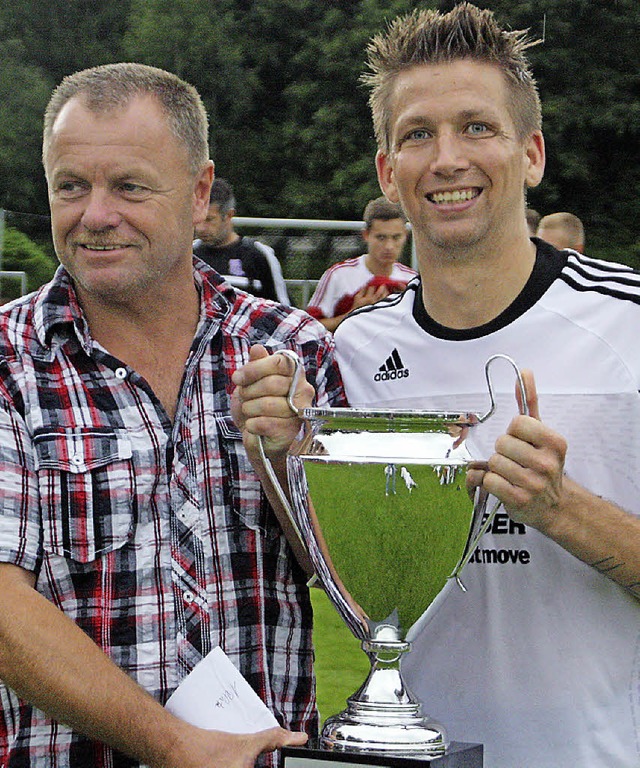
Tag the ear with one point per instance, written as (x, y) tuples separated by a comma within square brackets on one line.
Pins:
[(534, 159), (201, 188), (386, 177)]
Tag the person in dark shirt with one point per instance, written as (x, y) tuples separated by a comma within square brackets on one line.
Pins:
[(243, 262)]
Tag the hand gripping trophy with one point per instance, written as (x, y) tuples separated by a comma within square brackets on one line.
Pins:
[(379, 502)]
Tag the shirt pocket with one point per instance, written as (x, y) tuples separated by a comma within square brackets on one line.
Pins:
[(247, 498), (87, 491)]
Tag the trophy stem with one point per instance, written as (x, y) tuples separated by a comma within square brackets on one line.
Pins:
[(384, 715)]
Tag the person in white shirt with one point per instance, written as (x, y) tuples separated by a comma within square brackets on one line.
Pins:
[(368, 278), (540, 659)]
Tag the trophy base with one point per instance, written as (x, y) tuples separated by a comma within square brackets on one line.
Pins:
[(459, 755), (398, 730), (383, 715)]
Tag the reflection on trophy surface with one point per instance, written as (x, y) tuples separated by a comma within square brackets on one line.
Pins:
[(388, 520), (379, 501)]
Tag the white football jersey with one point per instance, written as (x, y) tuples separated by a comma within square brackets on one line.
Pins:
[(345, 279), (540, 659)]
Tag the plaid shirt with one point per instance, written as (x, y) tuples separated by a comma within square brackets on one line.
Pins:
[(155, 538)]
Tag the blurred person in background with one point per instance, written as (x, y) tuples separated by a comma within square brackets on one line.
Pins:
[(562, 230), (533, 217), (244, 262), (365, 279)]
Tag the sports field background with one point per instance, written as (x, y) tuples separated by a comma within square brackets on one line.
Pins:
[(398, 560), (341, 665)]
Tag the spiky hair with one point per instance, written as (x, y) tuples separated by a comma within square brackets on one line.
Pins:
[(431, 37)]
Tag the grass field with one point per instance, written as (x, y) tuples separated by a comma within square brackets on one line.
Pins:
[(341, 665), (393, 548)]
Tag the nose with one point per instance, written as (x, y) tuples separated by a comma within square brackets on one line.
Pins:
[(100, 211), (448, 155)]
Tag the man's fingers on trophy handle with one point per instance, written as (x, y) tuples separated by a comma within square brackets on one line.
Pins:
[(297, 371), (291, 364), (476, 470), (531, 395), (257, 352)]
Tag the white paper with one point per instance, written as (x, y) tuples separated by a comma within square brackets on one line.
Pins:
[(216, 696)]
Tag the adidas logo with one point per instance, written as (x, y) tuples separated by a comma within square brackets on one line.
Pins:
[(392, 368)]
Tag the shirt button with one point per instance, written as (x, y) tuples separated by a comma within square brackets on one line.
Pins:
[(121, 373), (188, 597), (76, 459)]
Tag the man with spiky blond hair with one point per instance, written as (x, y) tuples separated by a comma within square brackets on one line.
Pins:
[(539, 659)]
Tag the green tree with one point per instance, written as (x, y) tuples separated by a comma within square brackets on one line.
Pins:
[(21, 254), (41, 43), (63, 36), (21, 107), (200, 44), (328, 125), (589, 80), (290, 126)]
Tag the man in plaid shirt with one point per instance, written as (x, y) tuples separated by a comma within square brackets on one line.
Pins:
[(134, 535)]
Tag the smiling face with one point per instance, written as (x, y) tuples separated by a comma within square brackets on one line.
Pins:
[(456, 164), (123, 200)]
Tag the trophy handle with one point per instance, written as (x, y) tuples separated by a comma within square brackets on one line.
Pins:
[(479, 528), (299, 543), (524, 409), (311, 549)]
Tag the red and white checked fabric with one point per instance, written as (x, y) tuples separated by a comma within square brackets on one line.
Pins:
[(155, 538)]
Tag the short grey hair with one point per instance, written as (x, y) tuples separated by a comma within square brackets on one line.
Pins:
[(112, 86)]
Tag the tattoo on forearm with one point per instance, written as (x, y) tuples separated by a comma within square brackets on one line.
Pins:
[(607, 565)]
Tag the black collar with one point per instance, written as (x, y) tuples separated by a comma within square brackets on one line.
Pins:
[(548, 265)]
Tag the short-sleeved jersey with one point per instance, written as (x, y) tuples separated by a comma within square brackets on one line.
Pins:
[(341, 281), (540, 659)]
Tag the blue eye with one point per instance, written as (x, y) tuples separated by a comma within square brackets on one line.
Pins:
[(130, 187), (70, 188), (133, 191), (419, 134), (477, 128)]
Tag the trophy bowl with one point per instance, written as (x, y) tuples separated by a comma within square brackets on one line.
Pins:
[(387, 520), (378, 499)]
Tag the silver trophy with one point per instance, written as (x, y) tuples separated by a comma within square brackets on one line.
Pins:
[(379, 502)]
